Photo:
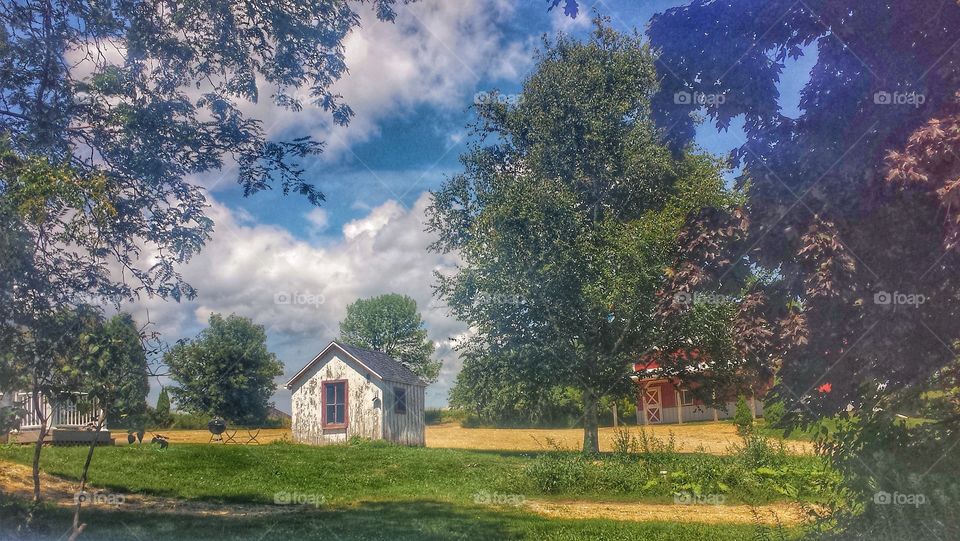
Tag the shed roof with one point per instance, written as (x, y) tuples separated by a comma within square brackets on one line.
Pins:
[(382, 365)]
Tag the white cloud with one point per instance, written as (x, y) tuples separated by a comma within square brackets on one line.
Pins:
[(564, 23), (299, 290), (319, 220), (435, 54)]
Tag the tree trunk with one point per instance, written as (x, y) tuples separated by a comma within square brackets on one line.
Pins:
[(39, 445), (78, 528), (591, 431)]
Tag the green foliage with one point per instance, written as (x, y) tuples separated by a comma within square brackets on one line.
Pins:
[(502, 390), (113, 370), (161, 414), (226, 371), (773, 413), (625, 443), (17, 516), (754, 473), (436, 416), (743, 417), (558, 473), (565, 223), (887, 191), (391, 324)]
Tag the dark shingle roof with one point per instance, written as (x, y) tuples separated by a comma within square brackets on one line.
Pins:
[(385, 366)]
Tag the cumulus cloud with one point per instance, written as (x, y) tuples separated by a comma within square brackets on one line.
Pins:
[(299, 290), (434, 54)]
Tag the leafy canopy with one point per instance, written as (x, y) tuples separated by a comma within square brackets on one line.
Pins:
[(852, 210), (391, 324), (226, 371), (565, 216)]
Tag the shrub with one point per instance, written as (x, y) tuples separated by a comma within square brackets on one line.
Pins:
[(16, 516), (625, 443), (160, 416), (435, 416), (757, 451), (742, 417), (773, 413), (652, 444), (471, 421), (553, 473)]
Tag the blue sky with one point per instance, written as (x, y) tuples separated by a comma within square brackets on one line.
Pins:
[(411, 84)]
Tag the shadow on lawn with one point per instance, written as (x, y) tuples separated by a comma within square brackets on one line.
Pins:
[(419, 520)]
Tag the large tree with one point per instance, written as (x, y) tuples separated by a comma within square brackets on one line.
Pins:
[(564, 216), (391, 324), (852, 205), (107, 110), (227, 371)]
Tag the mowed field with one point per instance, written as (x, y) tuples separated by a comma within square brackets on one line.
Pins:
[(713, 438)]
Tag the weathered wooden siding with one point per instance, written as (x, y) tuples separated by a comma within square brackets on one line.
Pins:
[(406, 428), (365, 415)]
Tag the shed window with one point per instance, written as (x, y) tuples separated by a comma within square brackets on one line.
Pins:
[(335, 404), (399, 400), (686, 398)]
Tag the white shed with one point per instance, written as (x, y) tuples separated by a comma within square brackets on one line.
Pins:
[(346, 391)]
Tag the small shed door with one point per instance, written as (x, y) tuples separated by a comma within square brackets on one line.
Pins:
[(652, 407)]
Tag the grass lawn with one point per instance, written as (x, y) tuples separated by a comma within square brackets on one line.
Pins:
[(385, 472), (418, 520)]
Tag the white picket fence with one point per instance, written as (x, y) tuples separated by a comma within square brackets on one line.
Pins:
[(70, 412)]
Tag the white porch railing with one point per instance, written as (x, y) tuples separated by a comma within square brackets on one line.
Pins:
[(72, 412)]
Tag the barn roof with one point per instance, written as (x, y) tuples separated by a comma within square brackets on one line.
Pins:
[(384, 366)]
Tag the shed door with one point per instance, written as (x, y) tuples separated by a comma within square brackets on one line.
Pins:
[(651, 403)]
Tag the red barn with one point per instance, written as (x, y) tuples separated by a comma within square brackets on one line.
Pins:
[(663, 400)]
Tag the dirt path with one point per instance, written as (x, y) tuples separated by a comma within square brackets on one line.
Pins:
[(786, 514), (16, 480)]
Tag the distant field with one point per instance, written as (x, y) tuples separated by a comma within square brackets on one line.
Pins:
[(714, 438)]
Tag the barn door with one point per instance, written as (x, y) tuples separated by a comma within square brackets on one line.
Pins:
[(651, 404)]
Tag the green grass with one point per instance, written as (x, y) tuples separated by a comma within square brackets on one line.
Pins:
[(233, 473), (367, 491), (419, 521), (384, 472)]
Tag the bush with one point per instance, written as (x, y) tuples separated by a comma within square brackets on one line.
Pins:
[(436, 416), (742, 417), (625, 443), (553, 473), (773, 413), (649, 443), (16, 516), (471, 421), (161, 417), (757, 451)]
